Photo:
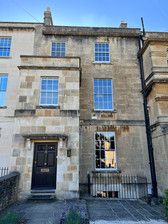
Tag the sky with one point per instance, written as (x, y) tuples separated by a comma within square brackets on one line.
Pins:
[(101, 13)]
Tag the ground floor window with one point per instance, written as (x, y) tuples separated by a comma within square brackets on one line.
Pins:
[(105, 150)]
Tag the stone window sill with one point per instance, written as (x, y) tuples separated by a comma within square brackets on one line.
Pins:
[(47, 107), (107, 171), (105, 111), (5, 57), (100, 63)]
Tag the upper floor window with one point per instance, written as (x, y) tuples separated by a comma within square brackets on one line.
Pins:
[(3, 88), (105, 150), (58, 49), (49, 91), (103, 94), (102, 52), (5, 45)]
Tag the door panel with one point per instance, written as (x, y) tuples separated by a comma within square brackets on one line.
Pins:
[(44, 166)]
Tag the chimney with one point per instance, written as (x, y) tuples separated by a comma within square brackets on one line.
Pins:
[(123, 24), (48, 17)]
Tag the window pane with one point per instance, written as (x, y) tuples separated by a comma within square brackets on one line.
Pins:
[(44, 84), (5, 44), (3, 83), (103, 94), (55, 85), (102, 52), (105, 152), (2, 98), (58, 49), (110, 159), (49, 91), (3, 88)]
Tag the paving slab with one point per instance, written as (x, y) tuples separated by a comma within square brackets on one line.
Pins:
[(36, 212), (102, 211)]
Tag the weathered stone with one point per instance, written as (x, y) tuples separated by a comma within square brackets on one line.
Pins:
[(30, 79), (22, 98), (16, 153), (9, 187), (72, 168), (20, 161), (68, 176)]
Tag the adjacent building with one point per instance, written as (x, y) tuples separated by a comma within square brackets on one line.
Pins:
[(155, 60), (71, 104)]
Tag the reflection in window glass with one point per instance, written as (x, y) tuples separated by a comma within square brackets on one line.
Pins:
[(102, 52), (3, 88), (5, 45), (105, 151), (58, 50), (103, 98), (49, 91)]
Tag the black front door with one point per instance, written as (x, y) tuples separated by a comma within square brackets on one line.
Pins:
[(44, 166)]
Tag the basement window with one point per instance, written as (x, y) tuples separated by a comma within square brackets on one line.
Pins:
[(107, 194)]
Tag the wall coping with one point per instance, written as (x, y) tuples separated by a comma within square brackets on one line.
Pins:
[(91, 31), (8, 176)]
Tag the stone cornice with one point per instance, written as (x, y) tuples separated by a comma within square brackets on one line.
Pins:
[(161, 98), (151, 40), (148, 87), (97, 122), (48, 68), (160, 70), (43, 62), (18, 25), (46, 56), (91, 31), (45, 136)]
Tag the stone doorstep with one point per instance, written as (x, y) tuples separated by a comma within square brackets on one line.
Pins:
[(42, 195), (43, 191)]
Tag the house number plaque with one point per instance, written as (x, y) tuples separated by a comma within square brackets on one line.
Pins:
[(45, 170)]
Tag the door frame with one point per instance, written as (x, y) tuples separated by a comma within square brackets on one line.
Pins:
[(33, 164)]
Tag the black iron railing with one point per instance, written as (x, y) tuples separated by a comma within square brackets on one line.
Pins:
[(4, 171), (111, 185)]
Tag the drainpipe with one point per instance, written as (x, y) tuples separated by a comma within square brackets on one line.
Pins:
[(147, 125)]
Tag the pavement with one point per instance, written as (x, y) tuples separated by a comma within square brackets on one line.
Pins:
[(100, 211), (124, 212)]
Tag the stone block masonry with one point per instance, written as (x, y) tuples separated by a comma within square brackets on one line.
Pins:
[(8, 189)]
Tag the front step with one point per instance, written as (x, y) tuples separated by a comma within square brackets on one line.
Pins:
[(42, 196)]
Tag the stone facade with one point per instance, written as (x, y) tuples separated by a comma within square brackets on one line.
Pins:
[(74, 122), (32, 120), (9, 186), (155, 57)]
